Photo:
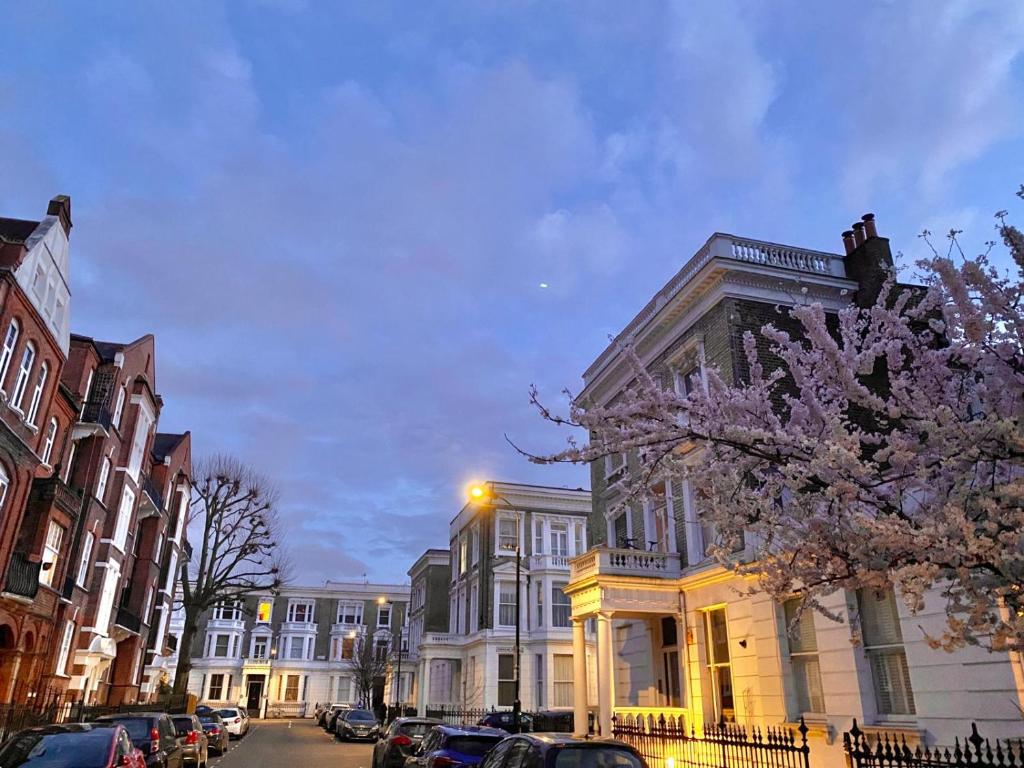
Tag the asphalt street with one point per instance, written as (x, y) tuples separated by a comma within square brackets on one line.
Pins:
[(292, 744)]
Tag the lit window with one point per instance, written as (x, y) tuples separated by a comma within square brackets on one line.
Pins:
[(291, 688), (51, 438), (28, 357), (83, 564), (561, 678), (51, 551), (508, 534), (37, 394), (263, 611), (10, 340)]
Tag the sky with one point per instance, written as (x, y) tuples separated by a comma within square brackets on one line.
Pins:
[(336, 218)]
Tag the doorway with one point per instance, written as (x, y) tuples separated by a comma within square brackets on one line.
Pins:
[(719, 664), (254, 695)]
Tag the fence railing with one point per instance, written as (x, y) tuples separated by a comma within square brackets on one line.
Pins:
[(22, 576), (886, 750), (96, 412), (666, 743), (454, 715)]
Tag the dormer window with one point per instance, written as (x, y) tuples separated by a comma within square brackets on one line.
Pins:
[(37, 394), (10, 340), (28, 357)]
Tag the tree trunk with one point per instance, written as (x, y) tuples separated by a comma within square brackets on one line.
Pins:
[(188, 634)]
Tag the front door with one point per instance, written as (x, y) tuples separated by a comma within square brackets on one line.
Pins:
[(254, 695)]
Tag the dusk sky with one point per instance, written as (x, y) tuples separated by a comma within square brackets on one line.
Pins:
[(336, 218)]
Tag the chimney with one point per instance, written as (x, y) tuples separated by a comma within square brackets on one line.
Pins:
[(869, 261), (848, 241), (60, 206)]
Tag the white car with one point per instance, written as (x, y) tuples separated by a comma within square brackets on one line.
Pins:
[(236, 720)]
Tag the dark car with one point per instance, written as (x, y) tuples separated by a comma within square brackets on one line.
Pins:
[(504, 721), (561, 750), (356, 724), (194, 742), (75, 745), (449, 746), (154, 734), (558, 721), (216, 732), (329, 716), (399, 741)]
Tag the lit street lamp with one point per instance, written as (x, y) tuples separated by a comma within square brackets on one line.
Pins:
[(484, 495)]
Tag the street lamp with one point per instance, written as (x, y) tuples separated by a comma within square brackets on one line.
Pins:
[(484, 495), (398, 677)]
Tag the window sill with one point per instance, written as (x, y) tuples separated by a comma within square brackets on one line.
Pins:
[(817, 727)]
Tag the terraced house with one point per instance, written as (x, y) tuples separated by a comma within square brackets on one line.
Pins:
[(677, 633)]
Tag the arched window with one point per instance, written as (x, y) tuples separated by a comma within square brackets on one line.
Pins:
[(28, 357), (37, 393), (119, 407), (10, 340), (51, 438), (5, 483)]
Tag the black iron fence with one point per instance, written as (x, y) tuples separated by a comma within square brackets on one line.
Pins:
[(22, 576), (665, 742), (886, 750), (459, 716)]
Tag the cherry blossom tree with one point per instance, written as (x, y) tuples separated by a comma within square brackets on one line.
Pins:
[(878, 447)]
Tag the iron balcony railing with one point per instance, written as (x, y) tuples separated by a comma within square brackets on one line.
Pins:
[(152, 491), (22, 576), (128, 620), (53, 490), (97, 412)]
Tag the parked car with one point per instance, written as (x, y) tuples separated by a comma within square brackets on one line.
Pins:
[(75, 745), (153, 733), (216, 731), (455, 746), (400, 740), (504, 721), (356, 724), (561, 750), (236, 720), (330, 714), (558, 721), (194, 742)]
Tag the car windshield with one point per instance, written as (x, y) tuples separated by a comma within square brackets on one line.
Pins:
[(361, 715), (474, 746), (228, 713), (415, 730), (587, 756), (79, 749), (138, 729)]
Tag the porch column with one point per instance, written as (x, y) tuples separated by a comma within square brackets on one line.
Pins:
[(579, 676), (605, 673), (424, 690)]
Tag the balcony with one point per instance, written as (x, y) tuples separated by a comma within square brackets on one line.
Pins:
[(226, 622), (128, 620), (54, 491), (441, 638), (151, 490), (171, 644), (549, 562), (298, 626), (343, 628), (604, 561), (95, 419), (22, 577)]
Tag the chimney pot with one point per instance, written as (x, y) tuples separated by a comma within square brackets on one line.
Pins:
[(870, 230), (848, 241), (60, 206), (858, 233)]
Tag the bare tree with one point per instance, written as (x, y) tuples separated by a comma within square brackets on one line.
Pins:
[(368, 665), (233, 518)]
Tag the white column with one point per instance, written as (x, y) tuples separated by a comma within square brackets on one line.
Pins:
[(579, 676), (423, 693), (606, 674)]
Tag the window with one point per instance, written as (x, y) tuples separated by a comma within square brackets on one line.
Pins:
[(39, 282), (220, 646), (561, 677), (263, 611), (561, 606), (474, 608), (540, 604), (65, 648), (88, 390), (620, 529), (538, 537), (539, 694), (228, 611), (463, 553), (300, 611), (148, 605), (475, 547), (296, 648), (69, 463), (51, 551), (559, 539), (384, 615), (614, 464), (686, 381), (506, 604), (291, 688), (883, 643), (508, 536), (5, 483), (350, 612), (344, 689), (716, 634), (260, 646), (101, 484), (124, 514), (24, 370), (803, 658), (578, 539), (51, 438), (83, 564), (381, 645), (10, 340), (506, 679), (118, 408), (216, 687), (37, 394), (348, 648)]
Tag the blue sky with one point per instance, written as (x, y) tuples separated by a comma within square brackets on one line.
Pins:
[(335, 218)]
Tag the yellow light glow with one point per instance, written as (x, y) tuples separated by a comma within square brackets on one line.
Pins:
[(352, 635), (670, 762), (382, 600), (477, 492)]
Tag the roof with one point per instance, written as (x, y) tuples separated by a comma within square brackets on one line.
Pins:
[(108, 350), (164, 444), (16, 230)]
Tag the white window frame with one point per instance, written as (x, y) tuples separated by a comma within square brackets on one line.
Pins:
[(559, 530), (51, 438), (119, 407), (101, 483), (557, 587), (805, 663), (88, 391), (260, 638), (353, 608), (28, 359), (65, 649), (51, 552), (294, 604), (504, 544), (86, 558), (561, 684), (501, 620), (37, 393), (220, 687), (10, 343), (124, 513), (382, 612), (5, 484), (475, 546)]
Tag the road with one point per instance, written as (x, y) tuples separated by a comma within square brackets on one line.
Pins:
[(292, 744)]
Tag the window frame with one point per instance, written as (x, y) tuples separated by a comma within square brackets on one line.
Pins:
[(294, 604), (28, 360), (50, 440), (357, 607), (7, 351), (51, 552), (85, 559), (37, 393), (807, 660)]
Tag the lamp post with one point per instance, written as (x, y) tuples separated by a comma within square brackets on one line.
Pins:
[(398, 677), (485, 496)]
